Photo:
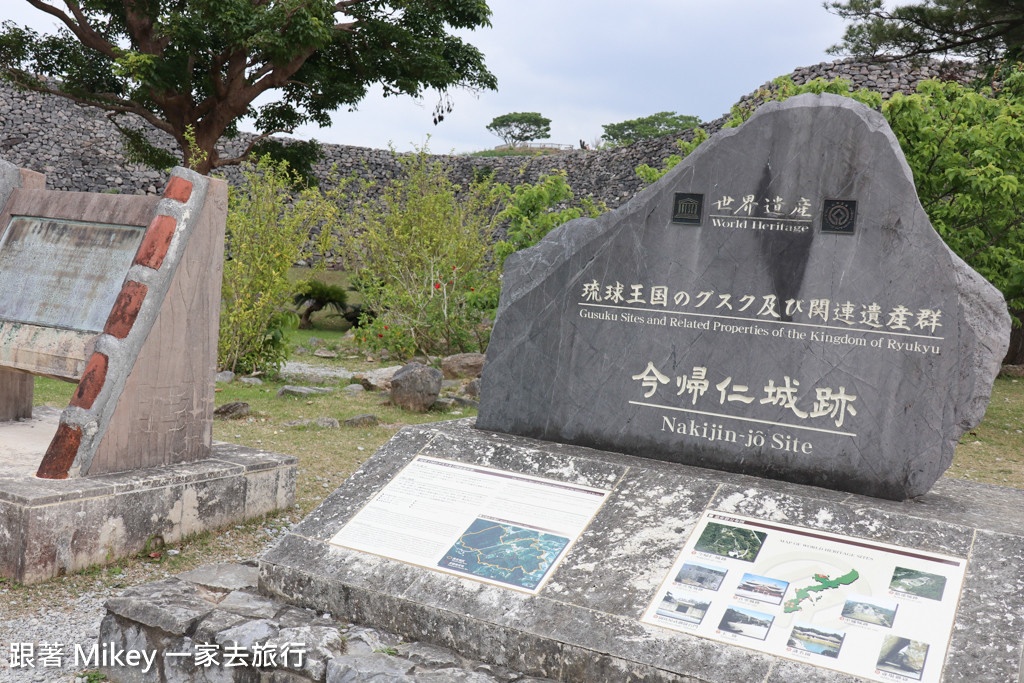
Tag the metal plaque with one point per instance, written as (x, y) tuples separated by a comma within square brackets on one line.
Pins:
[(687, 208), (65, 274), (839, 216)]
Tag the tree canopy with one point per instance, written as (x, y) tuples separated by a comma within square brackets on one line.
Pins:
[(519, 127), (192, 68), (984, 30), (647, 127)]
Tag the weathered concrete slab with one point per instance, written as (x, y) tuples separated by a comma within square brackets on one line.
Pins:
[(51, 527), (217, 610), (585, 623), (778, 305)]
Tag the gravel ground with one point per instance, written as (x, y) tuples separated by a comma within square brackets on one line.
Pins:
[(75, 622), (68, 610)]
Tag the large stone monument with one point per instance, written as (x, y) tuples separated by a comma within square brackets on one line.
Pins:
[(120, 295), (778, 305)]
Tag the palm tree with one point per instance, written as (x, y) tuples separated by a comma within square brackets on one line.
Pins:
[(315, 296)]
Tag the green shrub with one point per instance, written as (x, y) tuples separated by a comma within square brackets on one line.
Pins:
[(420, 255), (271, 225), (426, 259)]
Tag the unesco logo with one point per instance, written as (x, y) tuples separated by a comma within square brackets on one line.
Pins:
[(687, 208), (839, 216)]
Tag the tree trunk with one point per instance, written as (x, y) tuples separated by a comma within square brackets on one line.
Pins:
[(1015, 354)]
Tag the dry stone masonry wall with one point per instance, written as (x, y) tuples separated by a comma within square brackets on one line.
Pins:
[(79, 149)]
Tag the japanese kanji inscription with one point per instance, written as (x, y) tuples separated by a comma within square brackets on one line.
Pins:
[(778, 304)]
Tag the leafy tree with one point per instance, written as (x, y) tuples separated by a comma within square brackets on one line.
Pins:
[(520, 127), (647, 127), (203, 63), (425, 259), (966, 149), (984, 30)]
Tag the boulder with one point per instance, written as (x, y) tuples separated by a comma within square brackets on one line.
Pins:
[(462, 365), (415, 387)]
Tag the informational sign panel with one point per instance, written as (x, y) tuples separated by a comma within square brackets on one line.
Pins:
[(494, 526), (60, 273), (869, 609)]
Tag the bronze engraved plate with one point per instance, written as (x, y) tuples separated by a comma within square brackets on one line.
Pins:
[(839, 216), (64, 274), (687, 208)]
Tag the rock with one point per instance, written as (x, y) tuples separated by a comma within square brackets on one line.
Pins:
[(354, 389), (379, 379), (321, 645), (292, 390), (465, 402), (249, 605), (366, 420), (228, 576), (298, 371), (1013, 370), (247, 633), (232, 411), (462, 365), (375, 668), (251, 381), (415, 387), (473, 388), (778, 296), (325, 353), (443, 404), (224, 377), (315, 342), (300, 351), (321, 422), (172, 605)]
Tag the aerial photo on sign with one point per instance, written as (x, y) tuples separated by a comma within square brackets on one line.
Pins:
[(866, 608), (778, 305)]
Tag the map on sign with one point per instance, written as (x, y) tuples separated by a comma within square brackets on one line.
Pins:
[(504, 552), (877, 611), (822, 582)]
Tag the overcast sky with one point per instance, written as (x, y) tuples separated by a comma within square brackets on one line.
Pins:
[(584, 63)]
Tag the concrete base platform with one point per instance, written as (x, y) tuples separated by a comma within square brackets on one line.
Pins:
[(51, 527), (585, 623)]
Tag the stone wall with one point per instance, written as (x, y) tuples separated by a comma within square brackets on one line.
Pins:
[(78, 148)]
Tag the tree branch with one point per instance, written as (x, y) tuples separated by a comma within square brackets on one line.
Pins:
[(248, 149), (79, 26)]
